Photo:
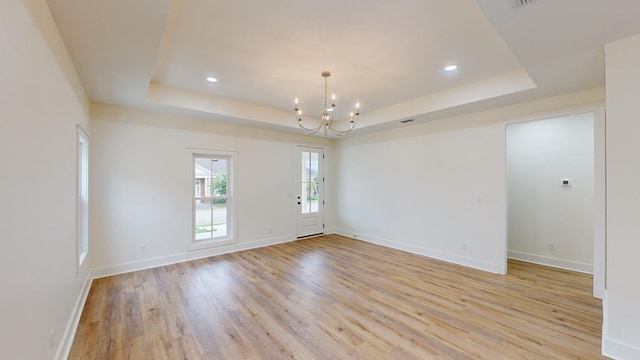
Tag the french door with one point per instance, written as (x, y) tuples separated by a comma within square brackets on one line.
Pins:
[(310, 192)]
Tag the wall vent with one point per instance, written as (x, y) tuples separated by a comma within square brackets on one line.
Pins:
[(522, 3)]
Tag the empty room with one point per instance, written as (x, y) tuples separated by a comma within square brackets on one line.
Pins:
[(195, 179)]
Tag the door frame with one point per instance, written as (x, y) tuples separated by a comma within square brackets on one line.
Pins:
[(599, 190), (298, 148)]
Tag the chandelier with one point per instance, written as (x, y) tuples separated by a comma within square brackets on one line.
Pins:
[(327, 115)]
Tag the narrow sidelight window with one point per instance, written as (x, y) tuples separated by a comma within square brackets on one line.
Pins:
[(82, 221)]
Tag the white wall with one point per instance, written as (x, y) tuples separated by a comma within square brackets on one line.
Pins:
[(139, 192), (438, 188), (419, 192), (621, 335), (41, 101), (540, 210)]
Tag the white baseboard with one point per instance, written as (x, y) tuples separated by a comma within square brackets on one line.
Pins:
[(613, 348), (187, 256), (72, 325), (431, 253), (617, 350), (331, 230), (553, 262)]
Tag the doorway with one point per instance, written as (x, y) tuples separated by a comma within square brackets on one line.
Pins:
[(310, 193), (554, 195)]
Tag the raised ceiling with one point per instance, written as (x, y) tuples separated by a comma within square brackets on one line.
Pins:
[(155, 54)]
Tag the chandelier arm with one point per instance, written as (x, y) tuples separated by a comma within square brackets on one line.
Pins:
[(344, 132), (310, 130)]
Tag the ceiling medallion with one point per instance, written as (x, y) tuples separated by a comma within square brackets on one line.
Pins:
[(327, 115)]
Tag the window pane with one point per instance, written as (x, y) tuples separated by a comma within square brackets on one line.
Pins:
[(313, 182), (313, 166), (204, 215), (309, 198), (211, 218), (202, 174), (305, 166), (313, 201), (220, 212), (312, 196), (219, 168), (304, 199)]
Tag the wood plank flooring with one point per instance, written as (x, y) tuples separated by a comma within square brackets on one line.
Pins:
[(336, 298)]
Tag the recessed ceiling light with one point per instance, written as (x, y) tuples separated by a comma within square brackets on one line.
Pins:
[(450, 67), (211, 79)]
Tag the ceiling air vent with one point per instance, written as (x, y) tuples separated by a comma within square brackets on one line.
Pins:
[(522, 3)]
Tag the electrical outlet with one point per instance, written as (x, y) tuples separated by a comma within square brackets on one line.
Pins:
[(52, 339), (463, 245), (143, 248), (552, 246), (269, 231), (378, 230)]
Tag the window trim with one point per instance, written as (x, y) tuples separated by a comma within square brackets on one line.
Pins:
[(230, 238), (82, 192)]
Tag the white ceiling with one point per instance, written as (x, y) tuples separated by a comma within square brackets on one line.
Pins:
[(155, 54)]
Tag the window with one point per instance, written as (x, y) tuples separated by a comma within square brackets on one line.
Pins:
[(82, 221), (211, 204)]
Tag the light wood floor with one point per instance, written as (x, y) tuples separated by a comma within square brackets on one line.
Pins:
[(336, 298)]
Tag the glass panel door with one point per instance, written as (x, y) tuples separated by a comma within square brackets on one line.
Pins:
[(310, 201)]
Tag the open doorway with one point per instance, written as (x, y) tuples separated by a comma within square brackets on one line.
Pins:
[(552, 192)]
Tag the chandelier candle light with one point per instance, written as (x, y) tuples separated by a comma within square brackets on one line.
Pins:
[(327, 115)]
